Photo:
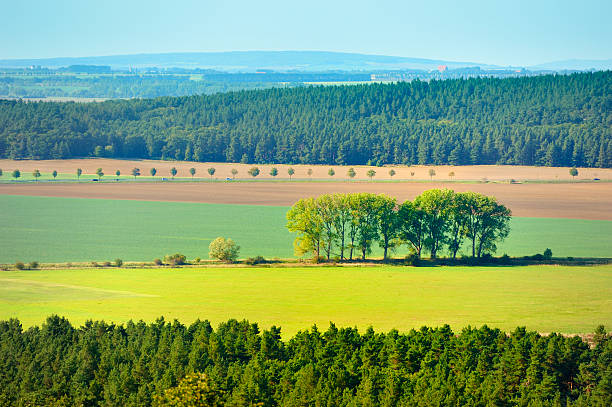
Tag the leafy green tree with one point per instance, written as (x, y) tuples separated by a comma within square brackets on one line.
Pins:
[(366, 221), (391, 172), (16, 174), (54, 173), (351, 173), (371, 173), (435, 205), (412, 227), (487, 222), (118, 174), (194, 390), (290, 171), (274, 171), (451, 174), (192, 171), (78, 173), (304, 218), (99, 173), (175, 259), (135, 172), (388, 222), (573, 172), (309, 172), (253, 171), (331, 172), (153, 171), (223, 249), (234, 172), (173, 172), (36, 174), (432, 173)]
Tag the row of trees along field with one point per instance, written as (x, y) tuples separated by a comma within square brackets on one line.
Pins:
[(551, 120), (438, 219), (170, 364)]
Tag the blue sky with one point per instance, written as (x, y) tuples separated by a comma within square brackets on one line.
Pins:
[(517, 32)]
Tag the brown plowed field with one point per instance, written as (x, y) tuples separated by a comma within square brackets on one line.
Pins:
[(223, 170), (580, 200)]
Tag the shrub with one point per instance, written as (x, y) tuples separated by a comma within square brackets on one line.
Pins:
[(252, 261), (33, 265), (412, 259), (505, 259), (197, 260), (547, 254), (570, 258), (118, 262), (175, 259), (223, 249), (157, 262), (20, 266), (106, 264)]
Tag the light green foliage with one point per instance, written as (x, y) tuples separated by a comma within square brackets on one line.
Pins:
[(223, 249), (577, 298), (290, 171), (234, 172), (175, 259), (351, 172), (391, 172), (194, 390), (331, 172), (371, 173)]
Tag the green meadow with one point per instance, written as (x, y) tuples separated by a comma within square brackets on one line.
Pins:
[(70, 229), (544, 298)]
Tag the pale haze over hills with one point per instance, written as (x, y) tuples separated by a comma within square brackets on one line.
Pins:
[(249, 61)]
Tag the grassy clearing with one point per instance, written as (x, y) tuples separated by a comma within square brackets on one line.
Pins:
[(543, 298), (70, 229)]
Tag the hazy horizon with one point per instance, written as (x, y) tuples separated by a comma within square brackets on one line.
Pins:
[(524, 33)]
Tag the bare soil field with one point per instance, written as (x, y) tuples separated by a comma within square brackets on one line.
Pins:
[(577, 200), (223, 170)]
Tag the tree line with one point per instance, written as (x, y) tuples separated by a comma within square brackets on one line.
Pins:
[(170, 364), (338, 225), (549, 120)]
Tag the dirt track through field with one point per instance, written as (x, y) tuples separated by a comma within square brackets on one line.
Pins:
[(578, 201)]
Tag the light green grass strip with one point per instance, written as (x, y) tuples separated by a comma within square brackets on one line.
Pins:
[(543, 298)]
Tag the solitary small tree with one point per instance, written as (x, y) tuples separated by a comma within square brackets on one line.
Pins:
[(290, 171), (223, 249), (253, 171), (192, 171), (211, 172), (99, 173), (573, 172), (391, 172), (412, 173), (309, 172), (118, 174), (451, 174), (331, 172), (351, 172), (16, 174), (153, 171), (135, 172), (0, 172), (432, 172), (371, 174), (173, 171), (36, 174), (79, 172), (54, 173), (274, 171), (234, 172)]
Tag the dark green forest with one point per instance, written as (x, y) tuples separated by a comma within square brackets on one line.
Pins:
[(549, 120), (140, 364)]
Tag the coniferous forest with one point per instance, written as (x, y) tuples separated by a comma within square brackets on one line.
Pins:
[(550, 120), (171, 364)]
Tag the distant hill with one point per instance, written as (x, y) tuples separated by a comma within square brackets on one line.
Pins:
[(576, 65), (249, 61)]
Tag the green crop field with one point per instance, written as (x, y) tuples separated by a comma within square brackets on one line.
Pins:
[(68, 229), (543, 298)]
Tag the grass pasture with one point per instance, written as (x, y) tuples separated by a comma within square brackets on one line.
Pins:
[(71, 229), (543, 298)]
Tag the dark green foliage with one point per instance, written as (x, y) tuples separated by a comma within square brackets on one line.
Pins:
[(236, 364), (175, 259), (19, 265), (552, 120)]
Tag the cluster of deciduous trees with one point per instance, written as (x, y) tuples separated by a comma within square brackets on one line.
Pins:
[(438, 219), (237, 365), (552, 120)]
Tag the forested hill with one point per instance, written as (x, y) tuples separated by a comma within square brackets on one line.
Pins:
[(552, 120)]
